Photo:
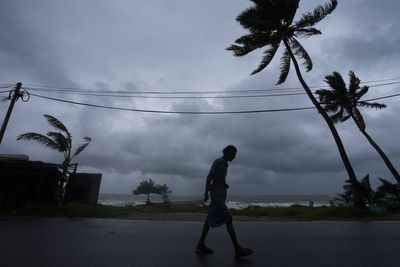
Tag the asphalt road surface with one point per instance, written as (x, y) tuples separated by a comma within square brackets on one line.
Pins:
[(109, 242)]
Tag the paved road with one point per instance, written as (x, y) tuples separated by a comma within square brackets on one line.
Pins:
[(109, 242)]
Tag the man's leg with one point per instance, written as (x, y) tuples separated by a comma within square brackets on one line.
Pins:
[(206, 228), (201, 246), (232, 234), (239, 251)]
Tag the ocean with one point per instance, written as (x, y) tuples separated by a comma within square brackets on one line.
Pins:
[(235, 202)]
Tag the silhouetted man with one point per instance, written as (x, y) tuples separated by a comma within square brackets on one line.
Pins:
[(218, 213)]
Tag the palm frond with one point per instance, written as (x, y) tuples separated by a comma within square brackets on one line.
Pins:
[(255, 19), (354, 83), (41, 139), (57, 124), (306, 32), (371, 105), (268, 56), (63, 142), (289, 8), (331, 107), (238, 50), (328, 100), (337, 117), (300, 52), (311, 18), (82, 146), (268, 15), (336, 82), (345, 118), (366, 183), (325, 95), (249, 43), (358, 118), (285, 67), (362, 92)]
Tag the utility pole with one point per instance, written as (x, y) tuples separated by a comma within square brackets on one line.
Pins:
[(17, 94)]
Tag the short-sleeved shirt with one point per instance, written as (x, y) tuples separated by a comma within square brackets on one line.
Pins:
[(219, 170)]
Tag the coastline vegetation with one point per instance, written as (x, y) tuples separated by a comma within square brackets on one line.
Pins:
[(184, 210)]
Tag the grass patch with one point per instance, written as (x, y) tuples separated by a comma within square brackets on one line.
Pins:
[(298, 212), (295, 212)]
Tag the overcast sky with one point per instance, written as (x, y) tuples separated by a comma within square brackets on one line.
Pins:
[(179, 45)]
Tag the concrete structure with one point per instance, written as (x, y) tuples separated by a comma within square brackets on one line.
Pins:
[(83, 188)]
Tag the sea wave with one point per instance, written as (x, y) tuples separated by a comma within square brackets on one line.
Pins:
[(234, 202)]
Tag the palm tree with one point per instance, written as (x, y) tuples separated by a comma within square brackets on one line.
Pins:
[(60, 141), (345, 102), (146, 187), (270, 23)]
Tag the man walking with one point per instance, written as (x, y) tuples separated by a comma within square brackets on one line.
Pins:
[(218, 213)]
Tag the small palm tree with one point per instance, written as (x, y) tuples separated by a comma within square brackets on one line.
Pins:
[(60, 141), (146, 187), (344, 102), (270, 23)]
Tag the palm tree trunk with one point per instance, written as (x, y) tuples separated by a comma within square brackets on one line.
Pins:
[(148, 199), (358, 203), (385, 158)]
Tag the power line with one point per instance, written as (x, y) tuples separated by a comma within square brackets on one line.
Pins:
[(173, 97), (74, 89), (383, 84), (383, 97), (173, 112), (190, 112), (133, 95), (54, 89)]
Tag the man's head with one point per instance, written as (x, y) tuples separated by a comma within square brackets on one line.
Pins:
[(229, 152)]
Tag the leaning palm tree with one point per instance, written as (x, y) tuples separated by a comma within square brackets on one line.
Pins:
[(60, 141), (270, 23), (344, 102)]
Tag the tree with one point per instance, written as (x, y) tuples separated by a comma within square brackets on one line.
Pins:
[(146, 187), (164, 191), (270, 23), (344, 102), (367, 193), (60, 141), (389, 194)]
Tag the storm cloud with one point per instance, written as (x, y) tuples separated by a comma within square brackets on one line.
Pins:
[(180, 46)]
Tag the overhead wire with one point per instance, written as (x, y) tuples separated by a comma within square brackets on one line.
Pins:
[(172, 112), (175, 97), (189, 112), (134, 94), (74, 89), (162, 92), (256, 94), (383, 97)]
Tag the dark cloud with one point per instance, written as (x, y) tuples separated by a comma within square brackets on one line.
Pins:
[(180, 46)]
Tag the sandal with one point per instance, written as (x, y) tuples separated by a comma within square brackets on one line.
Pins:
[(243, 252), (204, 250)]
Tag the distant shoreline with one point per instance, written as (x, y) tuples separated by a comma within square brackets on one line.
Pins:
[(187, 211), (233, 201)]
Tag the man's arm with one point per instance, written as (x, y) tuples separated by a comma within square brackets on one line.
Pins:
[(208, 187)]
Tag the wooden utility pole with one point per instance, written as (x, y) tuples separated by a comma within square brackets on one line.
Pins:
[(14, 98)]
